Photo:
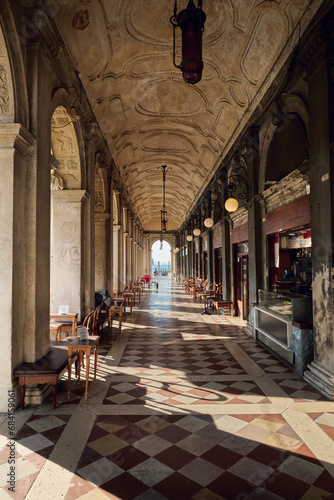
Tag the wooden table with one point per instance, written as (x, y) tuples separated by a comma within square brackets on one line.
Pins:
[(72, 316), (82, 346), (218, 303)]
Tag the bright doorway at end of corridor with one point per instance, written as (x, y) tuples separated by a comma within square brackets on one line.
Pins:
[(161, 258)]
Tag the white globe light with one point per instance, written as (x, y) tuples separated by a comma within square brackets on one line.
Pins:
[(231, 204), (208, 222), (189, 237), (176, 250), (197, 231)]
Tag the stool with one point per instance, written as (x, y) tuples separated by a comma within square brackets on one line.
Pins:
[(119, 312)]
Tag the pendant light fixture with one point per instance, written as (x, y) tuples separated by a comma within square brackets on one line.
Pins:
[(191, 21), (163, 212)]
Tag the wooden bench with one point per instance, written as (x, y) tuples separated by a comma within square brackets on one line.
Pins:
[(47, 370), (218, 303)]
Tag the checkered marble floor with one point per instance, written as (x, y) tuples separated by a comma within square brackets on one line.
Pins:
[(185, 406)]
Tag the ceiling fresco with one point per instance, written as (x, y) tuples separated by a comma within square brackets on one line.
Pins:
[(123, 51)]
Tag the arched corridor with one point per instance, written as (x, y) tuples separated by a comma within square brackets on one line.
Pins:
[(105, 149), (184, 406)]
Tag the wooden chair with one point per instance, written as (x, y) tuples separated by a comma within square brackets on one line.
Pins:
[(88, 322), (128, 298), (115, 311), (210, 291), (98, 320)]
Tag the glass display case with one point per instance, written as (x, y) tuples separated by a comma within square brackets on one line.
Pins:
[(278, 303), (274, 316), (287, 305)]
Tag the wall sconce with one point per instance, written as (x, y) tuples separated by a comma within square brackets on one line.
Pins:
[(191, 21), (237, 188), (208, 221)]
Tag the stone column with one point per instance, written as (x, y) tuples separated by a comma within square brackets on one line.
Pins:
[(135, 255), (88, 264), (117, 276), (130, 259), (210, 257), (126, 273), (14, 157), (200, 257), (101, 246), (226, 261), (320, 71), (256, 233), (37, 207), (67, 251)]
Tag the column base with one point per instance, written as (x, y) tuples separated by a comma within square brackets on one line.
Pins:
[(321, 379), (36, 394)]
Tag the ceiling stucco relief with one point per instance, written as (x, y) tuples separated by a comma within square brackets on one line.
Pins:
[(264, 45), (148, 115)]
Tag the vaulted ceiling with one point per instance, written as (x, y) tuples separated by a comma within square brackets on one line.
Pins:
[(122, 50)]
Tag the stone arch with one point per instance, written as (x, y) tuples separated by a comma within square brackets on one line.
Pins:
[(13, 90), (7, 112), (101, 186), (291, 103), (116, 208), (125, 219), (168, 238), (65, 148)]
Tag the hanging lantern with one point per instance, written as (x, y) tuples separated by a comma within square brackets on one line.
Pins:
[(197, 231), (191, 21), (189, 237), (163, 212)]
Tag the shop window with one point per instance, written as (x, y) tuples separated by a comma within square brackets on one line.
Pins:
[(290, 261)]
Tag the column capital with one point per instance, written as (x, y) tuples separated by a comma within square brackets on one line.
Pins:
[(116, 228), (71, 195), (102, 217), (13, 135)]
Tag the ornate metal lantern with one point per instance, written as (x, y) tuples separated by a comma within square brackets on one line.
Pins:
[(191, 21)]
